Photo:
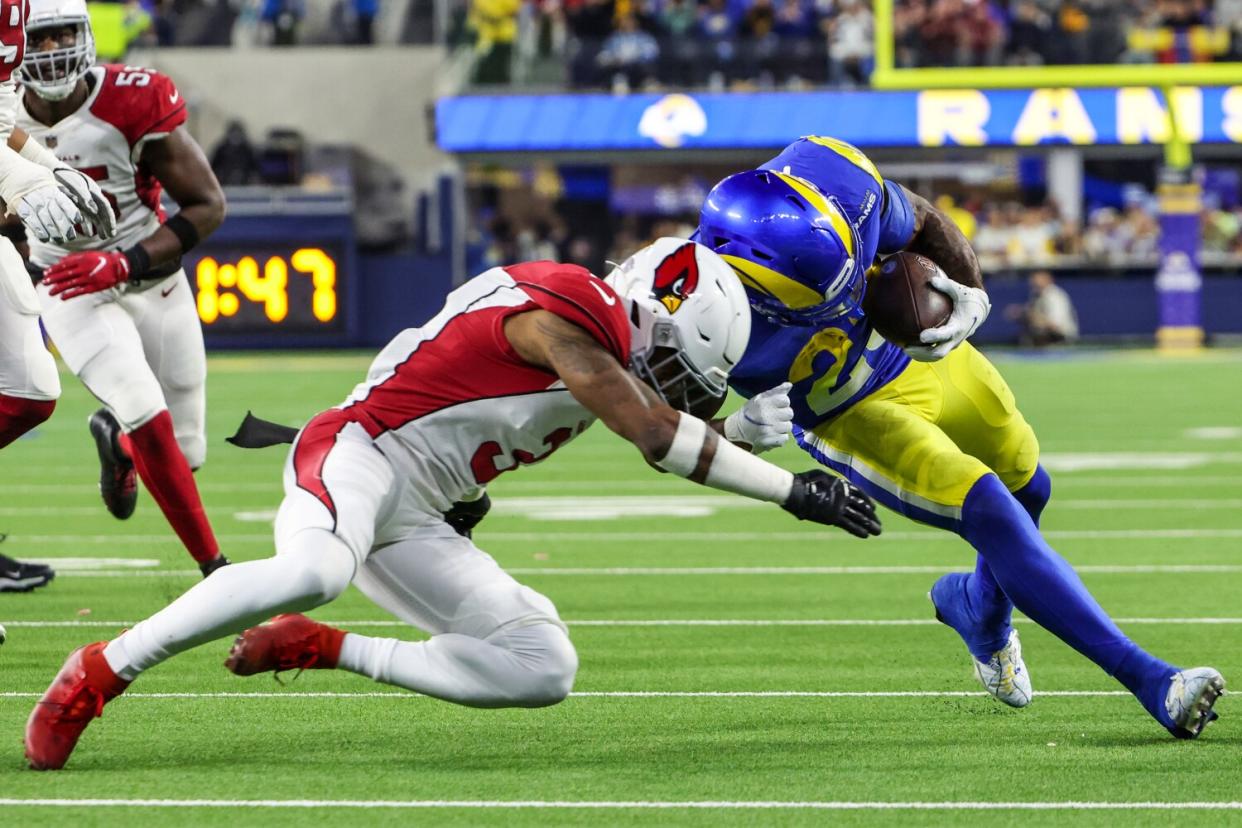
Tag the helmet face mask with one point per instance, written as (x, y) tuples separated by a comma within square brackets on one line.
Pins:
[(667, 370), (689, 321), (53, 74)]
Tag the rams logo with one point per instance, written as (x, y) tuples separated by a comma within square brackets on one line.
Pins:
[(676, 277)]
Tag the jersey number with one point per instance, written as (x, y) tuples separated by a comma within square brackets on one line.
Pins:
[(486, 460), (133, 76), (12, 36)]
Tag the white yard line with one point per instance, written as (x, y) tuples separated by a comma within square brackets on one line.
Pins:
[(669, 622), (542, 804), (644, 571), (629, 694)]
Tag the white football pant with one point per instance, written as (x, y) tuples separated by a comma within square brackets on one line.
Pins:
[(27, 368), (494, 642), (139, 352)]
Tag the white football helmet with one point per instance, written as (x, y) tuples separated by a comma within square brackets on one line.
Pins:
[(53, 74), (689, 319)]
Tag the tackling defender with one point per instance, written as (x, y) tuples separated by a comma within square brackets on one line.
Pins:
[(521, 360), (933, 432), (123, 316), (49, 199)]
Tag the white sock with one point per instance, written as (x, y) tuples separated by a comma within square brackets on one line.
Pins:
[(316, 569), (530, 666)]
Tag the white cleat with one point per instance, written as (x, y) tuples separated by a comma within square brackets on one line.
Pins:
[(1004, 675), (1192, 693)]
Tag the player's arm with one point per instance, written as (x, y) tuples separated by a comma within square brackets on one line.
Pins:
[(75, 185), (939, 239), (673, 441), (178, 163)]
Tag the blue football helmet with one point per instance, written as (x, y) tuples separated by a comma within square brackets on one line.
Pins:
[(791, 245)]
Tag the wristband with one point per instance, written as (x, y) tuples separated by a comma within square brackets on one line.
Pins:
[(139, 262), (184, 230), (36, 153), (683, 455), (732, 469)]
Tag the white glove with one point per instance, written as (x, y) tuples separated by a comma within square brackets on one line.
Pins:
[(89, 199), (765, 422), (970, 308), (49, 214)]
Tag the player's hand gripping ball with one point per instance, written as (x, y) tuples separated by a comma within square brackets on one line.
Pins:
[(87, 272), (912, 303), (765, 422)]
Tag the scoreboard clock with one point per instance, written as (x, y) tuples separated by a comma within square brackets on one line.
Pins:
[(251, 289), (266, 281)]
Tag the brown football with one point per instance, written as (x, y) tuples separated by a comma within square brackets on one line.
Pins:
[(900, 301)]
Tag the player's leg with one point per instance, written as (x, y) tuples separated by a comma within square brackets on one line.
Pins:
[(172, 338), (979, 413), (99, 341), (906, 459), (29, 383), (494, 643), (336, 482), (889, 445)]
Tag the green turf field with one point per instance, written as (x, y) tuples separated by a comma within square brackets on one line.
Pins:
[(831, 682)]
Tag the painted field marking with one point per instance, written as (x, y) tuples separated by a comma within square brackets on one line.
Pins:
[(692, 804), (627, 571), (1214, 432), (567, 508), (692, 536), (625, 694), (667, 622), (63, 565)]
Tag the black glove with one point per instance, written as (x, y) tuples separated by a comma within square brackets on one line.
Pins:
[(463, 516), (830, 500)]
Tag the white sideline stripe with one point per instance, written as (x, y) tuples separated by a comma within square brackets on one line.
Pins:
[(692, 804), (633, 694), (611, 507), (628, 571), (669, 622), (604, 535)]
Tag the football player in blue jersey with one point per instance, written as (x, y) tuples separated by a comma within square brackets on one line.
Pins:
[(931, 431)]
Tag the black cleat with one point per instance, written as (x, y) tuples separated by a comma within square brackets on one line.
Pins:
[(118, 482), (212, 565), (16, 576)]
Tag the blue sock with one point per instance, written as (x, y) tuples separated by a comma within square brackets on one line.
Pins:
[(992, 607), (1044, 586), (1034, 496)]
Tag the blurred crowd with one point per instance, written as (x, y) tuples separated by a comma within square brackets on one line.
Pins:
[(121, 25), (624, 44), (1005, 235)]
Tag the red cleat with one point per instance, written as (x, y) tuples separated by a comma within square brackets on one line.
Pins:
[(287, 642), (78, 693)]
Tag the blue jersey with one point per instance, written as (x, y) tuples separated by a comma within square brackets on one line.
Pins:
[(835, 365)]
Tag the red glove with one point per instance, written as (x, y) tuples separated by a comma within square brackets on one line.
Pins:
[(81, 273)]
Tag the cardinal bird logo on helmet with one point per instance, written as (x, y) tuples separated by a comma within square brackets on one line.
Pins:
[(676, 277)]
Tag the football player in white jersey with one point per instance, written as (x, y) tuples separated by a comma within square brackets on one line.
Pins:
[(55, 203), (122, 314), (520, 361)]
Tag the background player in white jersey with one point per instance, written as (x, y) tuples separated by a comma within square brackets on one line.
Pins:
[(55, 203), (123, 315), (520, 361)]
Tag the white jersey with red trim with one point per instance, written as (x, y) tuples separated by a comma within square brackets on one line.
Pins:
[(128, 106), (452, 405)]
